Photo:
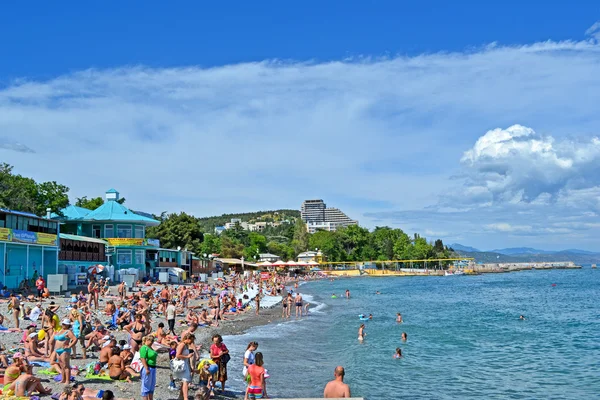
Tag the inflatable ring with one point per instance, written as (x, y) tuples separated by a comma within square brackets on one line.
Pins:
[(205, 361)]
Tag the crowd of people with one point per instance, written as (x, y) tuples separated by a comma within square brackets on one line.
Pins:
[(85, 326)]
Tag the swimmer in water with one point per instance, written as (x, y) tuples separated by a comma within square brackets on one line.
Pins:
[(399, 318), (370, 316), (377, 292), (398, 353), (404, 336), (361, 333), (347, 294), (522, 317)]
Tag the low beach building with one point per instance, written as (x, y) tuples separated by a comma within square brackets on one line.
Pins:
[(123, 231), (28, 247), (77, 254)]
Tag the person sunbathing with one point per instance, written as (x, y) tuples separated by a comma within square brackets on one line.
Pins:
[(110, 308), (27, 384), (116, 367)]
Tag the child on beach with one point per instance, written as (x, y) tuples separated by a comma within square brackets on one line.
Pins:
[(206, 378)]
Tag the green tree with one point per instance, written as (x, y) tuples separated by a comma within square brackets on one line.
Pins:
[(24, 194), (211, 244), (178, 230), (258, 241), (384, 239), (329, 244), (354, 239), (231, 248), (90, 204), (300, 239), (51, 195), (403, 247)]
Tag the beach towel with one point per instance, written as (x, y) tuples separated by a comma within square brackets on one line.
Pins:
[(42, 364), (47, 372)]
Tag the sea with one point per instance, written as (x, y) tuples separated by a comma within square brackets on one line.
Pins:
[(465, 338)]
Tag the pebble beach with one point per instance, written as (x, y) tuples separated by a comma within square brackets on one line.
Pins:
[(232, 325)]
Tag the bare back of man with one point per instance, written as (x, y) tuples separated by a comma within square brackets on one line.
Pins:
[(337, 388)]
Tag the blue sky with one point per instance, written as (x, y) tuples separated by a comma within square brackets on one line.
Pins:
[(472, 121)]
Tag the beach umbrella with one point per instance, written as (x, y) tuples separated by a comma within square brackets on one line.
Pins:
[(96, 269), (302, 264), (280, 263), (265, 264), (291, 263), (313, 263)]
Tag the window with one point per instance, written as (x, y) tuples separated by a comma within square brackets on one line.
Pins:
[(123, 257), (139, 231), (11, 221), (124, 231), (139, 257), (109, 231), (96, 231)]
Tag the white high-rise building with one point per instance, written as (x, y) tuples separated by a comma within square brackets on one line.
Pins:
[(317, 216)]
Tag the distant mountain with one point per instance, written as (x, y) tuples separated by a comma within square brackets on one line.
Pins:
[(460, 247), (578, 256), (521, 250)]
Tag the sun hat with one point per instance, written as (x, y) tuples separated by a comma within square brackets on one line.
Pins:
[(126, 347), (66, 321), (18, 354)]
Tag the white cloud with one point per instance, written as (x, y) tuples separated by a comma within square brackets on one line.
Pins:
[(516, 164), (367, 136), (504, 227), (594, 31)]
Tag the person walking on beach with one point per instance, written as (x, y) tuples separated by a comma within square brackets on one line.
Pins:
[(220, 355), (171, 310), (183, 355), (249, 357), (148, 373), (284, 306), (257, 301), (361, 332), (298, 301), (257, 388), (337, 388)]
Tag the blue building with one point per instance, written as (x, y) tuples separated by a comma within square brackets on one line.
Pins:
[(28, 247), (123, 232)]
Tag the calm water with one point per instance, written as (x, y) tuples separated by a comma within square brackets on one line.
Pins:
[(464, 338)]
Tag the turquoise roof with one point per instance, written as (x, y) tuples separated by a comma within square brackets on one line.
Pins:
[(72, 212), (112, 191), (113, 211)]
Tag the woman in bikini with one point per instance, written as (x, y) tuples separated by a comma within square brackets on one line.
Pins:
[(116, 367), (137, 330), (64, 340), (13, 372), (361, 332)]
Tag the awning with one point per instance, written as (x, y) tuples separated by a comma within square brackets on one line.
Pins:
[(81, 238)]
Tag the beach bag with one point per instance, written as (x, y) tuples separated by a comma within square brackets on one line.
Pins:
[(178, 365), (225, 358), (136, 363)]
